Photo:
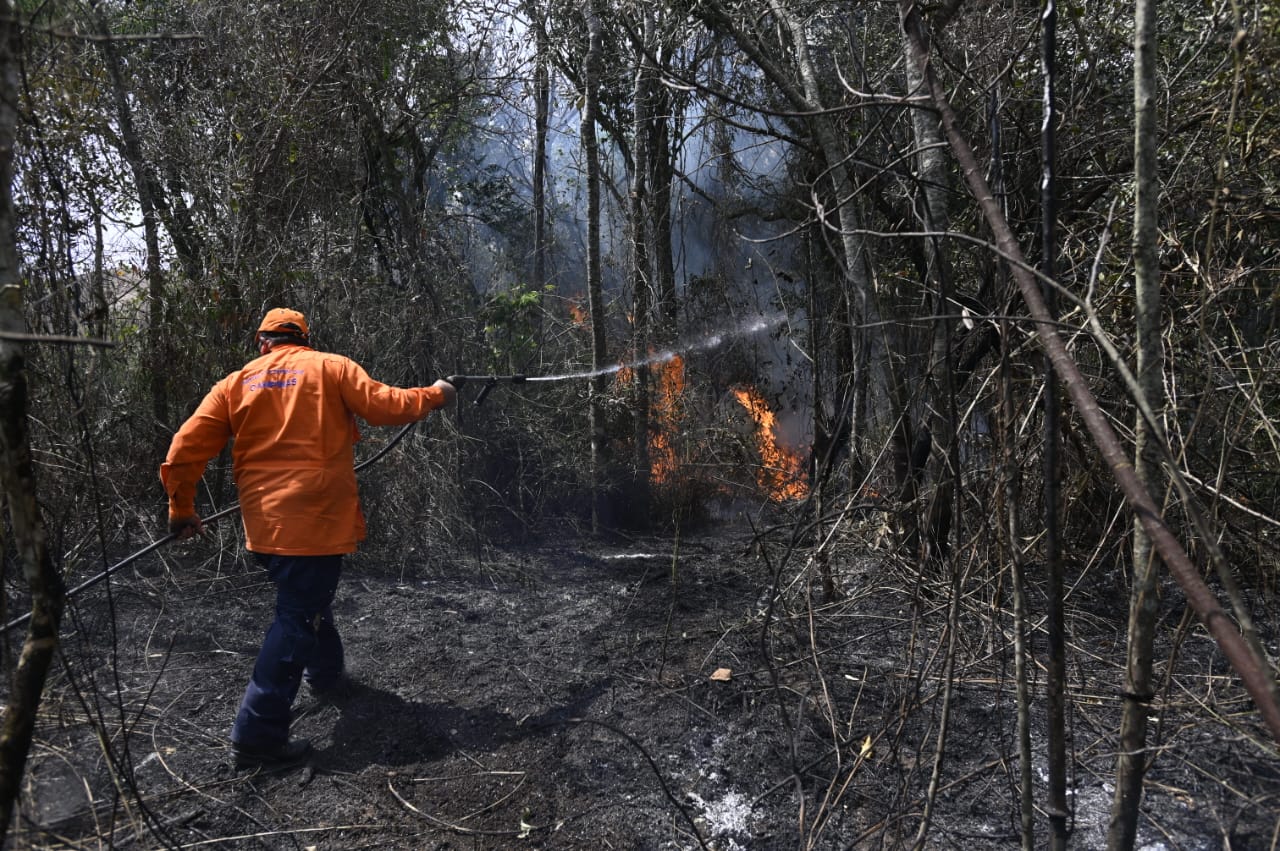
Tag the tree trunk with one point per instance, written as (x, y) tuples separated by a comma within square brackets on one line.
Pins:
[(641, 270), (541, 121), (661, 177), (818, 465), (1057, 662), (148, 199), (931, 212), (1013, 522), (1131, 764), (96, 319), (595, 288), (1021, 652), (17, 471)]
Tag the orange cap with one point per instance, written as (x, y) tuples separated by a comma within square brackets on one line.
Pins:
[(284, 320)]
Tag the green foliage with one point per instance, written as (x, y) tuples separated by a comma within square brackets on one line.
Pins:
[(512, 322)]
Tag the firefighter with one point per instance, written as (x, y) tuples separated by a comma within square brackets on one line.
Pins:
[(292, 412)]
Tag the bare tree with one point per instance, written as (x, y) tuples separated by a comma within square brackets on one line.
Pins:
[(595, 285), (541, 110), (1131, 764), (930, 210), (642, 278), (1051, 463)]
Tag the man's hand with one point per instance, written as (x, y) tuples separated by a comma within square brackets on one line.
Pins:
[(186, 527), (448, 389)]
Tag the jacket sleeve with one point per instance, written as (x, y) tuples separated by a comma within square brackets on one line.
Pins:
[(199, 439), (381, 404)]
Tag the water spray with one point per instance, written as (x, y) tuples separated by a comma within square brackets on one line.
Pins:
[(704, 344)]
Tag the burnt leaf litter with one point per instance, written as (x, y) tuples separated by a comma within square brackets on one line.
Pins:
[(582, 694)]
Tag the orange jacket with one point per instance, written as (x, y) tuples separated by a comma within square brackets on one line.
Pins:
[(292, 413)]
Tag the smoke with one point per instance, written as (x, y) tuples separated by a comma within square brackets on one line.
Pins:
[(734, 247)]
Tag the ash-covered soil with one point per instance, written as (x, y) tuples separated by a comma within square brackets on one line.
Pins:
[(561, 696)]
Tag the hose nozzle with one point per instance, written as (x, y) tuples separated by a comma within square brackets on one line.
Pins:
[(486, 390), (490, 381)]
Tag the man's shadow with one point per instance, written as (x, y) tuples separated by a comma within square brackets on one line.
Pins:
[(377, 727)]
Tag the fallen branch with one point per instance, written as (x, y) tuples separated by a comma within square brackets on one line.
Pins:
[(524, 830), (219, 840)]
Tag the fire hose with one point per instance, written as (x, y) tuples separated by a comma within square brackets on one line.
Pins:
[(487, 382)]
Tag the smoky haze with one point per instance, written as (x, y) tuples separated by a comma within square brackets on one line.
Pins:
[(733, 266)]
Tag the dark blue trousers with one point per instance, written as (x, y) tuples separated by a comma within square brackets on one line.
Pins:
[(302, 641)]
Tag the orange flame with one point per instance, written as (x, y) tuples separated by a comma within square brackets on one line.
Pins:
[(577, 313), (782, 472), (667, 416)]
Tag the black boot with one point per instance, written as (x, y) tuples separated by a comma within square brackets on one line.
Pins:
[(272, 758)]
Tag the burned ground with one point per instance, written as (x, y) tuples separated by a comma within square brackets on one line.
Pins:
[(561, 696)]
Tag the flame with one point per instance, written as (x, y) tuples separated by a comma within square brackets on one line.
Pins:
[(666, 414), (577, 313), (666, 411), (782, 472)]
